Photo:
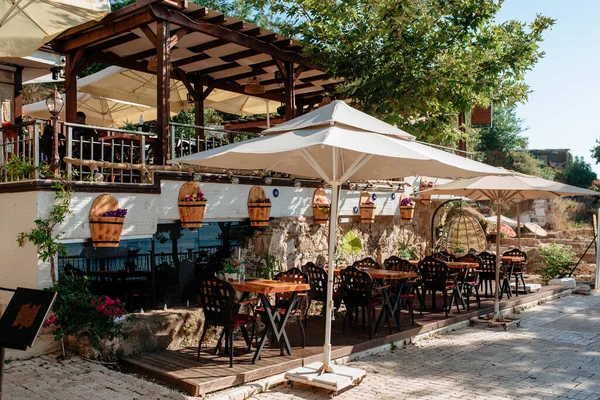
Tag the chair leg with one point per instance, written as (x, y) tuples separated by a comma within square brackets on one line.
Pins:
[(345, 318), (469, 290), (218, 348), (517, 285), (371, 312), (445, 294), (477, 296), (523, 281), (411, 311), (301, 330), (230, 337), (433, 300), (363, 317), (306, 313), (201, 340)]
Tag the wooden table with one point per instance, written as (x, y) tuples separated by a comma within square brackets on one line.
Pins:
[(512, 259), (128, 136), (276, 321), (453, 264), (386, 274)]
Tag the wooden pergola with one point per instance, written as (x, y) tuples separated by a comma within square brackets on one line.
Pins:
[(202, 48)]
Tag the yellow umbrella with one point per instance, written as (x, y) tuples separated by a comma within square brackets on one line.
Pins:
[(26, 25)]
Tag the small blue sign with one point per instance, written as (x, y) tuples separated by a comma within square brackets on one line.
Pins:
[(374, 197), (355, 209), (276, 192), (393, 196)]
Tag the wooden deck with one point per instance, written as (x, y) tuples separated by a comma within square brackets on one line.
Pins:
[(180, 370)]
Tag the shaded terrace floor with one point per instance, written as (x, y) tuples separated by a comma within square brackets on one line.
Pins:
[(179, 368)]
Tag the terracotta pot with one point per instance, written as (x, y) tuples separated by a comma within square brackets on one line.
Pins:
[(106, 231), (191, 213), (259, 213)]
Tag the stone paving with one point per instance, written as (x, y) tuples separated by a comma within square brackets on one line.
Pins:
[(555, 354)]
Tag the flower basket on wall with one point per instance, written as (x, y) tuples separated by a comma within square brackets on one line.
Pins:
[(321, 207), (367, 209), (191, 205), (106, 221), (425, 183), (407, 209), (259, 207)]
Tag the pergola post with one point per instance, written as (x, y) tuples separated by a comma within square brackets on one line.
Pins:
[(199, 113), (18, 99), (163, 91), (288, 81), (71, 87)]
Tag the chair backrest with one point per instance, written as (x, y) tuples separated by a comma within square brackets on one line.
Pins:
[(398, 264), (317, 277), (433, 272), (472, 251), (488, 262), (217, 298), (356, 286), (444, 255), (307, 266), (516, 253), (293, 275), (469, 272), (366, 263)]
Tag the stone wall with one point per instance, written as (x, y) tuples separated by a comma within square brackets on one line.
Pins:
[(297, 240)]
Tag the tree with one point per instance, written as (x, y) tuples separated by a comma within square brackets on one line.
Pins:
[(578, 173), (418, 63), (596, 151), (505, 134)]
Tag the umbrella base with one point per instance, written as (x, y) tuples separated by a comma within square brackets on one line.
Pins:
[(335, 379)]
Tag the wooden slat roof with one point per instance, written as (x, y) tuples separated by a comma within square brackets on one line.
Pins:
[(224, 52)]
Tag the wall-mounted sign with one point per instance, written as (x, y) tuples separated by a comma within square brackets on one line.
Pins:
[(481, 117)]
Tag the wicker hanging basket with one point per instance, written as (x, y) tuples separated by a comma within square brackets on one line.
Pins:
[(105, 231), (321, 207), (191, 213), (367, 211), (258, 210)]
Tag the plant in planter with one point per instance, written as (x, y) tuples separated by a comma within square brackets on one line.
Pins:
[(192, 205), (367, 212), (77, 312), (321, 207), (407, 209), (557, 261), (106, 221), (425, 184), (260, 211), (229, 271)]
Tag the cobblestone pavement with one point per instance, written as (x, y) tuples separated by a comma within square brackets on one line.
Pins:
[(554, 355), (46, 379)]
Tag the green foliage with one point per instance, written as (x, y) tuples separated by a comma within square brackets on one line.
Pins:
[(189, 118), (269, 267), (557, 261), (44, 235), (351, 244), (596, 151), (76, 311), (19, 169), (505, 134), (416, 62), (578, 173), (228, 268)]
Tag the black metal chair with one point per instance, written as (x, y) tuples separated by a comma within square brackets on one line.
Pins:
[(518, 269), (472, 251), (470, 279), (487, 274), (434, 278), (317, 278), (444, 255), (282, 301), (367, 263), (217, 298), (357, 291), (406, 288)]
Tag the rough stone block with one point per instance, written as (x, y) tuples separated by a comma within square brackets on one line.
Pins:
[(568, 283)]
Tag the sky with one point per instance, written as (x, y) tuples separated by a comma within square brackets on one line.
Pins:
[(563, 110)]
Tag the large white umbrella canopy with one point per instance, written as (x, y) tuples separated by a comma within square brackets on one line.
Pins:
[(505, 188), (26, 25), (140, 87), (336, 143), (99, 111)]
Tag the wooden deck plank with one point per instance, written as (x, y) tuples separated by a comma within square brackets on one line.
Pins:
[(180, 370)]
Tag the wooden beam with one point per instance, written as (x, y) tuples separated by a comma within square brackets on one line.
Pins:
[(219, 19), (252, 32), (18, 96), (107, 44), (281, 67), (177, 37), (239, 55), (187, 83), (319, 77), (296, 87), (208, 45), (163, 91), (288, 89), (190, 60), (143, 54), (298, 71), (199, 13), (221, 32), (199, 112), (70, 88), (218, 68), (104, 31), (149, 34), (206, 92), (236, 26)]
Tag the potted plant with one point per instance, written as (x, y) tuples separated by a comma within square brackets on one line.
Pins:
[(106, 221), (321, 207), (260, 211), (191, 210), (424, 185), (229, 272), (367, 212), (407, 209)]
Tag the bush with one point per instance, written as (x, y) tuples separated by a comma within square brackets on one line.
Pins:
[(556, 260), (77, 311)]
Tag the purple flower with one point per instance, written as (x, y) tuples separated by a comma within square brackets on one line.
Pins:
[(407, 201), (119, 213)]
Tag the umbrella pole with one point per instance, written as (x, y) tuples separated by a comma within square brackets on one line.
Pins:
[(333, 216), (518, 226), (497, 291)]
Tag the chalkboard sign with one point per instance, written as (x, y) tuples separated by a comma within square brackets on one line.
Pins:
[(24, 317)]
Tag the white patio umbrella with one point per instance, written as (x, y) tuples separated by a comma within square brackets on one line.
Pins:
[(338, 144), (26, 25), (504, 188), (140, 87), (99, 111)]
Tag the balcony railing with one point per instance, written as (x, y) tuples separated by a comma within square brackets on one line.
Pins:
[(19, 143)]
